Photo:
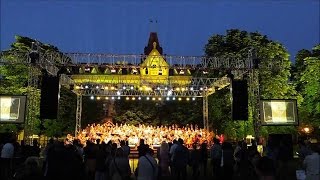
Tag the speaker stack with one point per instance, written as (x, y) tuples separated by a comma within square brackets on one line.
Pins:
[(49, 97), (239, 100)]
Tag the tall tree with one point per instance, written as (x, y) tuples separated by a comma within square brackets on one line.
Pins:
[(274, 65)]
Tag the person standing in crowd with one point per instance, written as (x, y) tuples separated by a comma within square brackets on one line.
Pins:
[(171, 153), (227, 161), (141, 147), (7, 154), (147, 166), (195, 161), (119, 168), (126, 148), (164, 159), (180, 160), (216, 155), (204, 157), (303, 151), (100, 165), (90, 154), (312, 163)]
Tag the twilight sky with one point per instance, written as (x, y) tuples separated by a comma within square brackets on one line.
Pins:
[(184, 26)]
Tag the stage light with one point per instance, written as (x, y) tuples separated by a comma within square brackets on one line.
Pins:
[(131, 87), (107, 98), (133, 98), (127, 98), (191, 88), (201, 89), (77, 87), (210, 89), (112, 97), (186, 88), (139, 98), (168, 98), (182, 89), (188, 99), (140, 88), (113, 71), (177, 89), (86, 86), (193, 98), (118, 93), (119, 97), (165, 88), (106, 88), (97, 87), (158, 88), (169, 93), (112, 88), (123, 87), (92, 98), (173, 98), (179, 98), (98, 98), (153, 98), (148, 98), (181, 72), (159, 98), (205, 72)]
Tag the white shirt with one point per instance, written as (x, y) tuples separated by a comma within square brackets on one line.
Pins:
[(312, 164), (7, 151)]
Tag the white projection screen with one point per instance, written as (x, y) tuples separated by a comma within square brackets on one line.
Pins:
[(12, 108), (279, 112)]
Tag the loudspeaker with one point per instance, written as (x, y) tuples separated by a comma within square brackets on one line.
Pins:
[(49, 97), (239, 100)]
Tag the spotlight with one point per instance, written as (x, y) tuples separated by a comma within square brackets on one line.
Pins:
[(113, 71), (86, 86), (112, 97), (173, 98), (112, 88), (127, 98), (153, 98), (78, 87), (179, 98), (97, 87), (182, 89), (140, 88), (91, 97), (201, 89), (98, 98), (191, 88), (131, 87), (159, 98), (165, 88), (106, 88), (123, 87), (133, 98), (177, 89), (169, 93), (168, 98), (188, 99), (119, 97), (186, 88), (158, 88), (181, 72), (118, 93), (193, 98), (107, 98), (139, 98), (148, 98)]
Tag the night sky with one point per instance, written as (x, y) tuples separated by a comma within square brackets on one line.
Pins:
[(184, 26)]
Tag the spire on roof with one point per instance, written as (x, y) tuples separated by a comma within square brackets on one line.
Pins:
[(152, 38)]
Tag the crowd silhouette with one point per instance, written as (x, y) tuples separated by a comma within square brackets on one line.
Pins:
[(104, 161)]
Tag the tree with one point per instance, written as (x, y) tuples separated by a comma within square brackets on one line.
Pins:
[(308, 79), (274, 69)]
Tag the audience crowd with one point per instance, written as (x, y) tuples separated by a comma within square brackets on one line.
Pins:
[(100, 160)]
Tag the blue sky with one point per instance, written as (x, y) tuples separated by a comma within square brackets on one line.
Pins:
[(184, 26)]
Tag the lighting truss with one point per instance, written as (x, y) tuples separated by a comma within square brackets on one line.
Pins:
[(130, 61)]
